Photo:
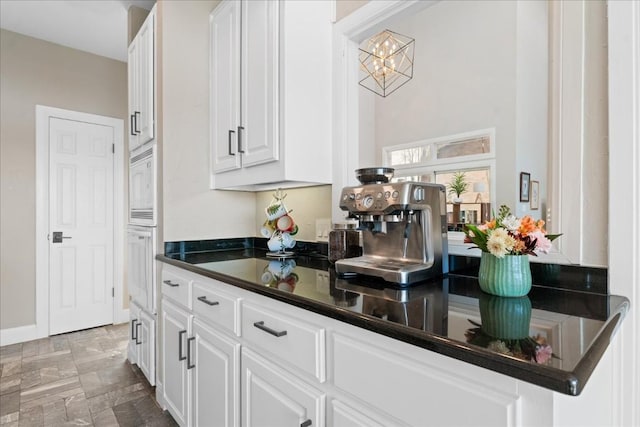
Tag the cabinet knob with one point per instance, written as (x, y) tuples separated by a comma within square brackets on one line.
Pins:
[(306, 423)]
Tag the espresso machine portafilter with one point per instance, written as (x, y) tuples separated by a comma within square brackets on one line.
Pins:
[(404, 228)]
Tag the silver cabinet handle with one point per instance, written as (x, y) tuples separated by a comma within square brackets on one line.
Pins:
[(261, 325), (170, 283), (306, 423), (136, 114), (240, 150), (134, 329), (137, 333), (230, 152), (206, 301), (180, 334), (189, 364)]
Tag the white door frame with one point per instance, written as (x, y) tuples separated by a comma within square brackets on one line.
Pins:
[(43, 115)]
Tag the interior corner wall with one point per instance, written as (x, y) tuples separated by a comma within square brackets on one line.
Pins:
[(191, 210), (460, 83), (33, 72), (306, 205), (135, 19)]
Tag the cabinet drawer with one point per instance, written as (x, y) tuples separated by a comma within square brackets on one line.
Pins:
[(216, 306), (408, 389), (176, 286), (291, 341)]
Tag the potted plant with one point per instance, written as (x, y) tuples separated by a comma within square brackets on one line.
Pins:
[(506, 243), (457, 186)]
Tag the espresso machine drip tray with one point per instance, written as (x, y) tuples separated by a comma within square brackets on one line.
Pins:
[(402, 272)]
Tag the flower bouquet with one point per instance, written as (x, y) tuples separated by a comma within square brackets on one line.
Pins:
[(505, 242)]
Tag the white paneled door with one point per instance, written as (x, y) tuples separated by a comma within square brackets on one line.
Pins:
[(81, 230)]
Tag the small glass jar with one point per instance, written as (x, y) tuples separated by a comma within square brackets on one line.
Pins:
[(344, 241)]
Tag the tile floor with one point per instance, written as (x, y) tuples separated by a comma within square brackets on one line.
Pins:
[(80, 378)]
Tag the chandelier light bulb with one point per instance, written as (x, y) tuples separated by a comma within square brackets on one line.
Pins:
[(386, 61)]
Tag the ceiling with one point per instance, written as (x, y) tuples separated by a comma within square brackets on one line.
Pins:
[(96, 26)]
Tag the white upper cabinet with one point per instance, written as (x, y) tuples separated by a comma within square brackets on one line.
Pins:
[(141, 72), (270, 70), (225, 86)]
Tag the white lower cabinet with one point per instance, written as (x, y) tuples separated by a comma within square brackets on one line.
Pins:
[(215, 387), (142, 345), (272, 397), (176, 325), (231, 357), (200, 361), (342, 414)]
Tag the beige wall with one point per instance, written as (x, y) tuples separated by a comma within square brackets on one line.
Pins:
[(345, 7), (191, 211), (37, 72), (135, 19), (306, 204)]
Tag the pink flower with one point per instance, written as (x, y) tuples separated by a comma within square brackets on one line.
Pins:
[(542, 244), (543, 354)]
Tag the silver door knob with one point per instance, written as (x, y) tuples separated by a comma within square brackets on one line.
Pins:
[(57, 237)]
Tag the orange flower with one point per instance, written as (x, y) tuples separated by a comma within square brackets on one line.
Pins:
[(518, 247), (540, 226), (527, 225), (491, 224)]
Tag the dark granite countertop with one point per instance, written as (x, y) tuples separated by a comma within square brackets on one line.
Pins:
[(450, 316)]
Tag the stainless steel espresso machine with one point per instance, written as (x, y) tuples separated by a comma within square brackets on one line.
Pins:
[(404, 228)]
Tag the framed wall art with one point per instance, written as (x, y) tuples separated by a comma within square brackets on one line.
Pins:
[(525, 179), (535, 195)]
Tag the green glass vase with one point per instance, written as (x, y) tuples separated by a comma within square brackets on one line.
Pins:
[(509, 276)]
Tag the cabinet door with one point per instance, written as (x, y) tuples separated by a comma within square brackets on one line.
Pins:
[(147, 347), (342, 414), (137, 267), (216, 378), (133, 72), (272, 397), (175, 331), (259, 82), (145, 119), (225, 86)]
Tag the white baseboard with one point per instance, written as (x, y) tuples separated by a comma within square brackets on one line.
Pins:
[(26, 333), (121, 316), (159, 395), (17, 335)]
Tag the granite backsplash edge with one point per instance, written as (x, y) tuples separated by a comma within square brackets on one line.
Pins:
[(569, 277)]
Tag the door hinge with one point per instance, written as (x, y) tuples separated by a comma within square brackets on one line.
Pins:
[(113, 292), (113, 148)]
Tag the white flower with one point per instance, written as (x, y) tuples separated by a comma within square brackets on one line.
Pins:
[(511, 223), (499, 347), (500, 242)]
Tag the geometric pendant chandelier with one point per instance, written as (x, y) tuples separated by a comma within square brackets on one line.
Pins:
[(386, 62)]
